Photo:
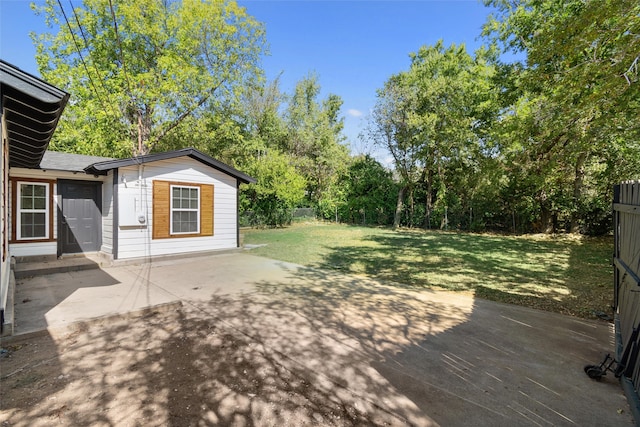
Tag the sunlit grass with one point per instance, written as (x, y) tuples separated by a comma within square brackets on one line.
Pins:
[(569, 275)]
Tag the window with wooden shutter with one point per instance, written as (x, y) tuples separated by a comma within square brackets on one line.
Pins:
[(182, 209)]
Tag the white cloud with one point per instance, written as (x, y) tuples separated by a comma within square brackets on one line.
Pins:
[(354, 113)]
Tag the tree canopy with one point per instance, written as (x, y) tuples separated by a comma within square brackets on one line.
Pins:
[(531, 145), (137, 69)]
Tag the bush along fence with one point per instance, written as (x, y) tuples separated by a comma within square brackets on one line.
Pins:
[(276, 217), (626, 269)]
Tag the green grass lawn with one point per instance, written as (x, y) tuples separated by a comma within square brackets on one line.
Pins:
[(566, 274)]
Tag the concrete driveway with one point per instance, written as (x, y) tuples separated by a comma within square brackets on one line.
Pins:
[(310, 343)]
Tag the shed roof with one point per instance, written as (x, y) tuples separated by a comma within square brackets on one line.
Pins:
[(100, 168), (32, 108)]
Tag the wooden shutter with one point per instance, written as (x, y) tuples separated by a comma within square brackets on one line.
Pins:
[(161, 209), (206, 210)]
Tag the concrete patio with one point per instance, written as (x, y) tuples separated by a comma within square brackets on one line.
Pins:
[(397, 356)]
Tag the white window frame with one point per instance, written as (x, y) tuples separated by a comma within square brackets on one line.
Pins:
[(20, 210), (172, 209)]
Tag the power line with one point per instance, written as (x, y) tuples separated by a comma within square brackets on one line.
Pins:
[(75, 42), (126, 77), (86, 45), (124, 65)]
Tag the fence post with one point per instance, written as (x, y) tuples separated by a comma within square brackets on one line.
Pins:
[(616, 246)]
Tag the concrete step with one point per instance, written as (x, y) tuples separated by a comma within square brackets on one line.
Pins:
[(63, 265)]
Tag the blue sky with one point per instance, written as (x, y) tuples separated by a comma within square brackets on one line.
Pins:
[(353, 46)]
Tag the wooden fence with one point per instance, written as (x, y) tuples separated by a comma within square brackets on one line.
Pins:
[(626, 274)]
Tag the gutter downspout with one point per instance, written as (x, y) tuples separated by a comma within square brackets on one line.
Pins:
[(237, 213), (116, 227)]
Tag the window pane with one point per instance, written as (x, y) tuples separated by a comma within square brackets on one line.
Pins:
[(26, 230), (175, 195), (26, 189), (26, 218), (39, 219), (39, 190), (33, 196), (26, 202), (39, 230), (39, 203), (32, 225), (185, 222)]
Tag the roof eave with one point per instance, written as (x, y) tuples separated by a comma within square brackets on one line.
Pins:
[(31, 109), (102, 168)]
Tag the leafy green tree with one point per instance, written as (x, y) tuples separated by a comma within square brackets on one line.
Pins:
[(278, 190), (263, 121), (433, 119), (388, 127), (454, 102), (581, 89), (369, 191), (315, 139), (139, 69)]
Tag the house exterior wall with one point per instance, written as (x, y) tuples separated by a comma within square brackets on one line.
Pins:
[(135, 196), (107, 214), (20, 249), (5, 255)]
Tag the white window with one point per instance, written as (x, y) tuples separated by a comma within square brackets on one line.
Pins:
[(185, 209), (33, 211)]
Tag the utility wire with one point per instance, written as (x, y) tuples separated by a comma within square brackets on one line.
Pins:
[(75, 42), (124, 65), (126, 77), (86, 45)]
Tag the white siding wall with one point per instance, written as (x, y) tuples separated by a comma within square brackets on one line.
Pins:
[(47, 248), (107, 214), (136, 241), (4, 216)]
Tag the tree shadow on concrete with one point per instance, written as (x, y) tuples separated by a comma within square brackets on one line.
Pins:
[(321, 348), (274, 356)]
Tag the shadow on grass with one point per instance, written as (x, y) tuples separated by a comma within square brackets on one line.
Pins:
[(318, 348), (562, 276)]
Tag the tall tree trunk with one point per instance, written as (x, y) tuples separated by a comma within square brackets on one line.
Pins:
[(545, 224), (545, 221), (143, 129), (411, 206), (429, 199), (399, 205), (578, 184)]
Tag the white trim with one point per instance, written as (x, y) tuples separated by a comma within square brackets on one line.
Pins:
[(20, 210), (171, 210)]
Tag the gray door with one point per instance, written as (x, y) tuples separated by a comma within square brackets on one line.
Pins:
[(80, 218)]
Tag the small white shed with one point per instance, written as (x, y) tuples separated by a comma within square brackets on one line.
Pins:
[(169, 203)]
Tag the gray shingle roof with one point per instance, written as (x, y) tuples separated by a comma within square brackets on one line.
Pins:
[(53, 160)]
